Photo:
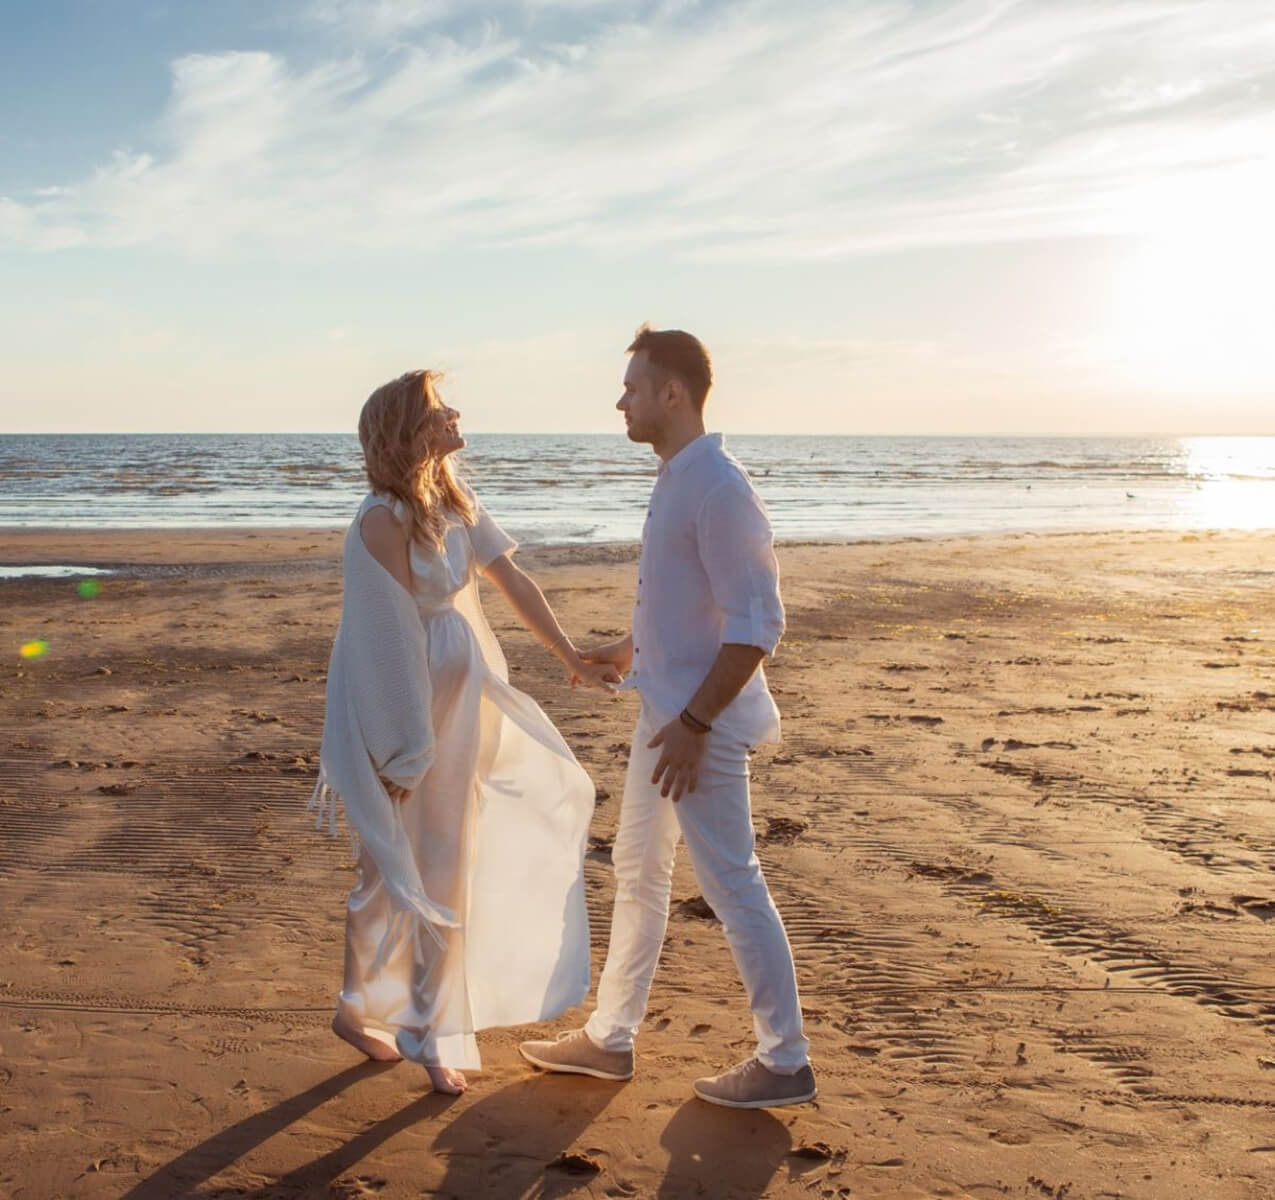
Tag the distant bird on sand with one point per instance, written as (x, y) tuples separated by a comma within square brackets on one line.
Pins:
[(1129, 496)]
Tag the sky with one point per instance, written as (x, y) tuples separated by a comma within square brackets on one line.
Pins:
[(924, 217)]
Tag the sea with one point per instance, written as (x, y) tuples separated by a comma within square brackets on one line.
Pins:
[(561, 489)]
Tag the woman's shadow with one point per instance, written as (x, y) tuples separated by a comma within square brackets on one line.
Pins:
[(505, 1144), (200, 1163)]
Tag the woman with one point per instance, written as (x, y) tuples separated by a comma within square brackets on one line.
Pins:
[(470, 810)]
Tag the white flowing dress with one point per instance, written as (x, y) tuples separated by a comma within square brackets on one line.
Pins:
[(497, 827)]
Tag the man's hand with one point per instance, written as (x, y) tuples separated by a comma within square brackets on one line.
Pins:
[(397, 794), (619, 654), (601, 675), (679, 759)]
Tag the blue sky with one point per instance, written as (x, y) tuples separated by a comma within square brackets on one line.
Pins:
[(925, 217)]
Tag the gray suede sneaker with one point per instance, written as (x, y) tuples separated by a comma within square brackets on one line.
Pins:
[(752, 1085), (575, 1054)]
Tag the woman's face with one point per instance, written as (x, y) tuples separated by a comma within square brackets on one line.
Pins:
[(442, 431)]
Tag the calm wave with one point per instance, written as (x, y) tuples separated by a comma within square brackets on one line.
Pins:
[(549, 488)]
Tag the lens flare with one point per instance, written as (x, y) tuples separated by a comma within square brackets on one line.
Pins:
[(36, 649), (88, 588)]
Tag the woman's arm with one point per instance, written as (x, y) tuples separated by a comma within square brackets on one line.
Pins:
[(386, 541), (528, 601)]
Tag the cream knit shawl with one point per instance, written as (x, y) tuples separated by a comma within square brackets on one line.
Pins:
[(378, 724)]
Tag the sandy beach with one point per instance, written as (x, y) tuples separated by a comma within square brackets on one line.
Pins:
[(1020, 828)]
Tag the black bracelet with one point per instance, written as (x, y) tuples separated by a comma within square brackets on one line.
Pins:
[(691, 721)]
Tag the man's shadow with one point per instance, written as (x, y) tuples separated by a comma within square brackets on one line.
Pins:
[(723, 1152), (512, 1142)]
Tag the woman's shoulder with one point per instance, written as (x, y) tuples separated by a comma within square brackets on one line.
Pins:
[(381, 518), (379, 500)]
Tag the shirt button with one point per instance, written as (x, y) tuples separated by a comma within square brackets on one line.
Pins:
[(636, 650)]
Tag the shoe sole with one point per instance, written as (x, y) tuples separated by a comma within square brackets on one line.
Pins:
[(571, 1069), (787, 1100)]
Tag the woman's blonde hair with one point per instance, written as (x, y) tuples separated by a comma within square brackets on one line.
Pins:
[(400, 459)]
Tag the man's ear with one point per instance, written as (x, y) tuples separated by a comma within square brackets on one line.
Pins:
[(674, 392)]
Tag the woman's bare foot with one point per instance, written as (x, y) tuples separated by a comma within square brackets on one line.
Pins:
[(364, 1043), (447, 1080)]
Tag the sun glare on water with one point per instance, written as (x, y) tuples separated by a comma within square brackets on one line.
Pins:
[(1235, 481)]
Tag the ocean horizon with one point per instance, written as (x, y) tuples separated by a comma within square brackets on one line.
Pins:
[(592, 488)]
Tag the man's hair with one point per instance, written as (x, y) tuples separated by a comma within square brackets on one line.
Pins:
[(679, 354)]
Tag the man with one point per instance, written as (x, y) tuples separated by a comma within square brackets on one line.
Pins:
[(707, 613)]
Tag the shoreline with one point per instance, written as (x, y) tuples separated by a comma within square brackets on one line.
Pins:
[(119, 549)]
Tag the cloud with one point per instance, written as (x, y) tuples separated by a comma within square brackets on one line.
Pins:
[(709, 130), (375, 20)]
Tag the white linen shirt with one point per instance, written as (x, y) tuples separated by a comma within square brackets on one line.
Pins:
[(707, 575)]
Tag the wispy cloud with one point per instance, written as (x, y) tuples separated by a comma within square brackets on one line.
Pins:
[(715, 130)]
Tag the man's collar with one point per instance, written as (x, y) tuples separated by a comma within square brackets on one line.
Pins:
[(692, 451)]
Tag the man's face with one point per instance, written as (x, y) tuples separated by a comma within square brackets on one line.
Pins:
[(641, 403)]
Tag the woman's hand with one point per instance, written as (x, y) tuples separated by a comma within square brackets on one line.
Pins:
[(397, 794)]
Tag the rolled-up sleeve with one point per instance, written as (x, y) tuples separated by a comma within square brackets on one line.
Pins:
[(736, 547), (487, 538)]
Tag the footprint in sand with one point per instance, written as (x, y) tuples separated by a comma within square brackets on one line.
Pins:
[(571, 1163), (348, 1188), (783, 830), (1262, 907), (696, 908), (817, 1151), (600, 848)]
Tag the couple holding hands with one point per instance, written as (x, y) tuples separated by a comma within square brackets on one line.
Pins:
[(471, 813)]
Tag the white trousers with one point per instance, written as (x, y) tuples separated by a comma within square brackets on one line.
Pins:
[(716, 821)]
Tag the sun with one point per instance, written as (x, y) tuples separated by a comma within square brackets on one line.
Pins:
[(1193, 308), (1199, 315)]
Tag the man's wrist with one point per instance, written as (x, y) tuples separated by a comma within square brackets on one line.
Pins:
[(692, 722)]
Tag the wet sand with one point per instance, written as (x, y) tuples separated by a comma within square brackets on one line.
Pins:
[(1021, 829)]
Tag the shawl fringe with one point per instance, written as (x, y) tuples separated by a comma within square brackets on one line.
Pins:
[(411, 916)]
